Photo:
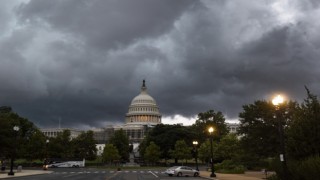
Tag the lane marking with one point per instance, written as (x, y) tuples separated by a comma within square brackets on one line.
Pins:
[(113, 175), (153, 174)]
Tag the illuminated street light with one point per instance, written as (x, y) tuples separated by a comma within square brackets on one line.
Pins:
[(195, 143), (277, 101), (210, 130)]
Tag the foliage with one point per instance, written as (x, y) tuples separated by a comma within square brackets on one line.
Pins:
[(273, 177), (36, 141), (207, 119), (252, 162), (303, 134), (18, 143), (110, 153), (204, 151), (61, 146), (259, 129), (165, 136), (229, 166), (152, 153), (121, 142), (85, 146), (229, 147), (306, 169), (181, 150), (303, 169)]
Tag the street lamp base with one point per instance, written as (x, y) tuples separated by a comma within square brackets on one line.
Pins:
[(11, 173), (213, 175)]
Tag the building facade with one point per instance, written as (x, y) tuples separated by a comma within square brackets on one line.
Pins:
[(53, 132)]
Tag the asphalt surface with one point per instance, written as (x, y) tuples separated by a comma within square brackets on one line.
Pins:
[(93, 174), (98, 173)]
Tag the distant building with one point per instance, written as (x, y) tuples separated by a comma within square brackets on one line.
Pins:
[(233, 127), (100, 148), (53, 132), (103, 135)]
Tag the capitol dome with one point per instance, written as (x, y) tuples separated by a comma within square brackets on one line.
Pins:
[(143, 109)]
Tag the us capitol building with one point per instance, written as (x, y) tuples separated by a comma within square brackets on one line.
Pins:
[(142, 115)]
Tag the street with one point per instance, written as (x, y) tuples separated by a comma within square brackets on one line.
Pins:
[(100, 174)]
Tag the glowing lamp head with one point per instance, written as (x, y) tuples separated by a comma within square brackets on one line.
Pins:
[(210, 130), (195, 142), (16, 128), (277, 100)]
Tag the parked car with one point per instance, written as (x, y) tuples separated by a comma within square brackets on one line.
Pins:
[(182, 171)]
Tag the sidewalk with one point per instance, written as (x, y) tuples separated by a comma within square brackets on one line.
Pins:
[(23, 173), (249, 175)]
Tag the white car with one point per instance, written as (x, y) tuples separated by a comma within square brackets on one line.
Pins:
[(182, 171)]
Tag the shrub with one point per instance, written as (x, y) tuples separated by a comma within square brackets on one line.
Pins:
[(300, 170), (273, 177), (229, 166), (306, 169)]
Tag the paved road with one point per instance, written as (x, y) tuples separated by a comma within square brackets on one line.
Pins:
[(98, 174)]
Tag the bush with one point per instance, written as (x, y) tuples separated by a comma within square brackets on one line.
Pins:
[(258, 164), (273, 177), (230, 167), (300, 170), (306, 169)]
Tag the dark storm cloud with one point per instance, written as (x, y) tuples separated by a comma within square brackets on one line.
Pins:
[(106, 24), (81, 62)]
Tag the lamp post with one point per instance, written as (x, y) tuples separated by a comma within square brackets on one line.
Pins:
[(45, 167), (211, 139), (277, 101), (11, 173), (195, 143)]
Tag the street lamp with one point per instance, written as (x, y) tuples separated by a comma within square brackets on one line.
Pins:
[(195, 143), (11, 173), (211, 139), (277, 101), (45, 167)]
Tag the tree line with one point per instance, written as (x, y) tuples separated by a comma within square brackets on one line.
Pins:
[(30, 143)]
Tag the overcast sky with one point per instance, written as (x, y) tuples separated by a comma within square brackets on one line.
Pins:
[(83, 61)]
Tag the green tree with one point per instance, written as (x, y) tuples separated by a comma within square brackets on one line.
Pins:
[(165, 136), (36, 141), (181, 151), (121, 141), (6, 133), (152, 153), (229, 147), (110, 153), (204, 151), (61, 146), (304, 129), (207, 119), (15, 143), (259, 127), (85, 146)]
